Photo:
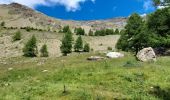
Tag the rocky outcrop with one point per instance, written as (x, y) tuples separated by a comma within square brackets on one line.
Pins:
[(146, 55)]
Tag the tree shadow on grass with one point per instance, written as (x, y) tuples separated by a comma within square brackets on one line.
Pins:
[(163, 94)]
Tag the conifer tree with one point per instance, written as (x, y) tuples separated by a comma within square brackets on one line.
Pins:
[(78, 45), (30, 48), (44, 51)]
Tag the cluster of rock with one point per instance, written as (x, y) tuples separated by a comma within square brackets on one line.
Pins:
[(144, 55), (108, 55)]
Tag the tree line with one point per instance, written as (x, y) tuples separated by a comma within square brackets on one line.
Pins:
[(154, 31)]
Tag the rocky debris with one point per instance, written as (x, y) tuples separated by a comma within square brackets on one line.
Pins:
[(114, 55), (95, 58), (45, 71), (146, 55), (10, 69)]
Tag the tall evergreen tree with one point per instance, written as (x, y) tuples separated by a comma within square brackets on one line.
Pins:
[(129, 40), (78, 45), (30, 48), (90, 33), (44, 51), (66, 46)]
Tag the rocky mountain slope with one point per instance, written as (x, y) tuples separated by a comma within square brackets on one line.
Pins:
[(17, 15)]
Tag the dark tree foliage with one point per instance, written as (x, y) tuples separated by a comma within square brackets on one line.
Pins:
[(78, 45), (17, 36), (3, 24), (30, 48), (66, 46), (117, 31), (66, 29), (91, 33), (86, 47), (44, 51), (109, 32), (154, 32), (159, 24), (130, 39), (79, 31)]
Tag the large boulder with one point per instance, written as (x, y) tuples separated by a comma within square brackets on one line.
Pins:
[(146, 55), (114, 55)]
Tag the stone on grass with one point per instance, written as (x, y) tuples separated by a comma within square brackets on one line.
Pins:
[(146, 55), (95, 58), (114, 55)]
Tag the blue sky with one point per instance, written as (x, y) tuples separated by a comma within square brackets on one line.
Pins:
[(88, 9)]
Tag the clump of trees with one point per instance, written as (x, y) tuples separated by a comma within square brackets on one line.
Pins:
[(104, 32), (30, 49), (67, 44), (79, 31), (65, 29), (153, 32), (17, 36)]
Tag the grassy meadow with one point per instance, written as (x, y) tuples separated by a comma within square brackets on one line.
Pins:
[(75, 78)]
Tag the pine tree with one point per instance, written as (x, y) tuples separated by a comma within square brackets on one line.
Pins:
[(17, 36), (66, 46), (80, 31), (3, 24), (117, 31), (44, 51), (30, 48), (66, 29), (78, 45), (86, 47), (91, 33), (129, 39)]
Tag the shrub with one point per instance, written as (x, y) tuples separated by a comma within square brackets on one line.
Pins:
[(3, 24), (30, 48), (109, 48), (17, 36), (44, 51), (28, 29), (86, 47)]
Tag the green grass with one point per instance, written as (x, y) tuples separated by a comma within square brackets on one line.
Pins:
[(123, 78)]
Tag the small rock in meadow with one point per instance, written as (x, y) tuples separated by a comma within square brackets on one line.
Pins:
[(10, 69), (114, 55), (95, 58), (45, 71)]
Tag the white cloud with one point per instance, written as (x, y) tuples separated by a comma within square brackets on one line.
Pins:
[(70, 5), (148, 4)]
